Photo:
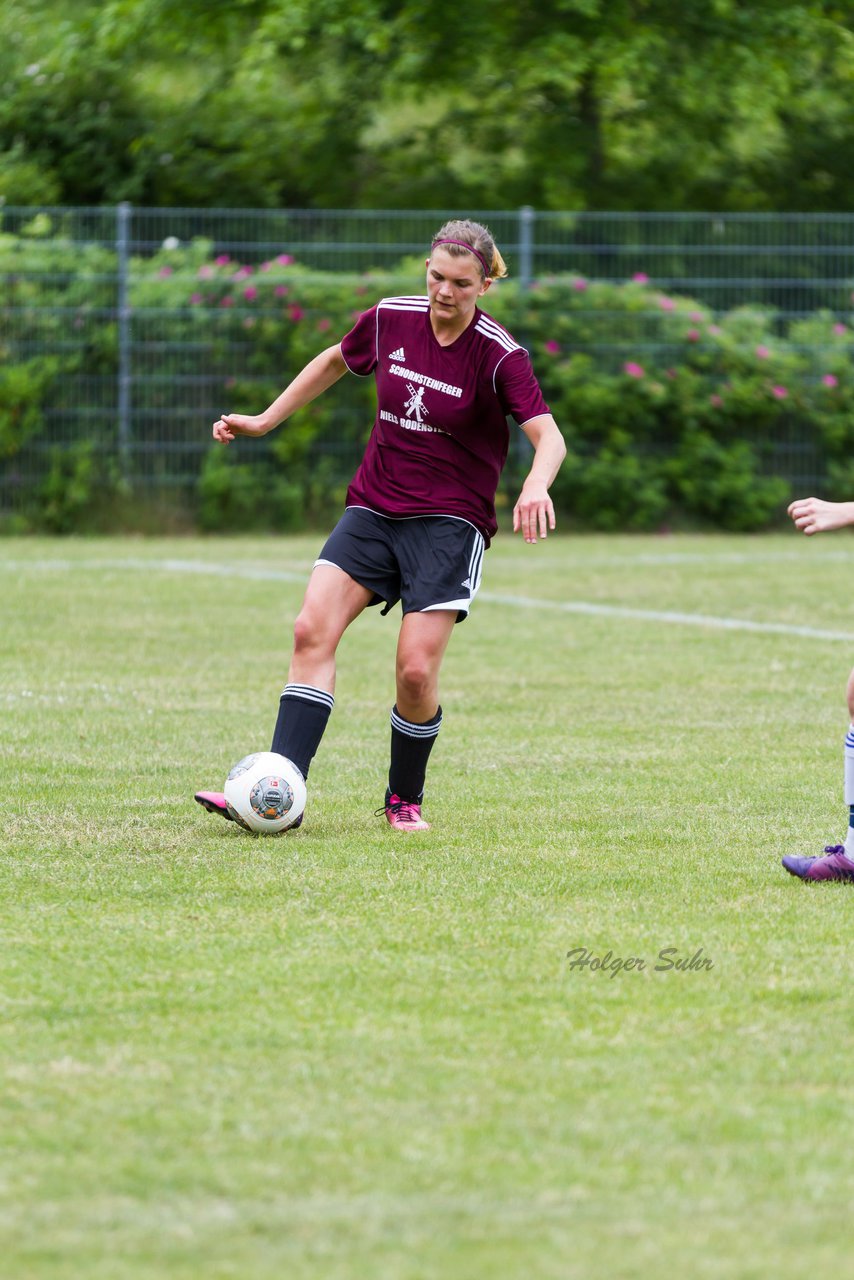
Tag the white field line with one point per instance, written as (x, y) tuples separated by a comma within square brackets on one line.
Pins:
[(583, 607), (161, 566), (662, 615)]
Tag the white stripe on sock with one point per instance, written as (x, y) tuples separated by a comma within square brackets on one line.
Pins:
[(307, 693), (415, 730), (849, 766)]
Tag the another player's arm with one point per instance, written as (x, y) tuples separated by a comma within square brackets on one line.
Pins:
[(318, 375), (534, 512), (814, 515)]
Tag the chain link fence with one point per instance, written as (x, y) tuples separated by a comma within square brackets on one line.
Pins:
[(97, 340)]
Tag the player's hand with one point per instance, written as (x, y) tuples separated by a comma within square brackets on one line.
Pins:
[(814, 515), (238, 424), (533, 514)]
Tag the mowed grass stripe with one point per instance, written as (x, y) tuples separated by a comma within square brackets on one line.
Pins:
[(259, 573), (342, 1054)]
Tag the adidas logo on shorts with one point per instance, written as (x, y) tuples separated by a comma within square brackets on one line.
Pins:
[(398, 355)]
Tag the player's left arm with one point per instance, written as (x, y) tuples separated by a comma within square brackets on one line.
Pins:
[(534, 512)]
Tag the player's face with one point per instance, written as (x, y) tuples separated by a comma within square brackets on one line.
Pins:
[(454, 285)]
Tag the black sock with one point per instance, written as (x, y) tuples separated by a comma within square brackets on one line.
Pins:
[(303, 715), (411, 745)]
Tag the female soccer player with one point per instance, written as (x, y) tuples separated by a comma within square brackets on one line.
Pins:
[(814, 515), (420, 510)]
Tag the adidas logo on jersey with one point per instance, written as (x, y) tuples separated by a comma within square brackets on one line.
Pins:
[(398, 355), (466, 584)]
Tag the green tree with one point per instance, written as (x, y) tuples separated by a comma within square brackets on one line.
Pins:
[(563, 104)]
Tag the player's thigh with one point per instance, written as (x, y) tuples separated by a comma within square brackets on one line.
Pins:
[(332, 601)]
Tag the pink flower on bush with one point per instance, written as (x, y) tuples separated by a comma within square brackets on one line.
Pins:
[(164, 272), (696, 316), (295, 313), (196, 298), (242, 272), (324, 325), (763, 352), (579, 284), (640, 277), (206, 271), (265, 266), (666, 304), (840, 330), (633, 370), (714, 330), (281, 291), (227, 301), (830, 380), (779, 393), (553, 347), (285, 259), (693, 335), (250, 293), (223, 260), (716, 400)]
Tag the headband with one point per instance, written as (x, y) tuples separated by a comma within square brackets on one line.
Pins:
[(487, 271)]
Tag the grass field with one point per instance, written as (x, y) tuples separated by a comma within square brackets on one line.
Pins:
[(347, 1053)]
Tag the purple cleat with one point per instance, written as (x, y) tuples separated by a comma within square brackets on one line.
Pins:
[(215, 802), (835, 865)]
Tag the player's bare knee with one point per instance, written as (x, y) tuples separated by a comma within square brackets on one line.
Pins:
[(310, 635), (415, 678)]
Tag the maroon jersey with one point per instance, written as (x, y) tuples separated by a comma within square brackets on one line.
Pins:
[(440, 437)]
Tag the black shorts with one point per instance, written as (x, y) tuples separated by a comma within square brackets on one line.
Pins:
[(426, 562)]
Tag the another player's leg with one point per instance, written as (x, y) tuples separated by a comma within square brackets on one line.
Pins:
[(837, 861), (416, 716), (332, 601)]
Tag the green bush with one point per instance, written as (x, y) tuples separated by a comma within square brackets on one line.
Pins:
[(246, 496), (720, 483), (23, 387), (672, 413), (79, 490)]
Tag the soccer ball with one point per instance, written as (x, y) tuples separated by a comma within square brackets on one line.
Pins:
[(265, 792)]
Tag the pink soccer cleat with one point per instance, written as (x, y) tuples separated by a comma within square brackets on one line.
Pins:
[(403, 815), (215, 802)]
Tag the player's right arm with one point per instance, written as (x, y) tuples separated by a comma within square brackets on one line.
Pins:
[(814, 515), (318, 375)]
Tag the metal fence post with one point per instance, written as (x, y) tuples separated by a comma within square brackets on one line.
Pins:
[(526, 247), (522, 449), (123, 217)]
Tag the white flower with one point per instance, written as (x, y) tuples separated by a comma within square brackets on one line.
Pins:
[(171, 242)]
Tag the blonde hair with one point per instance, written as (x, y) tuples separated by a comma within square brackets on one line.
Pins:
[(461, 235)]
